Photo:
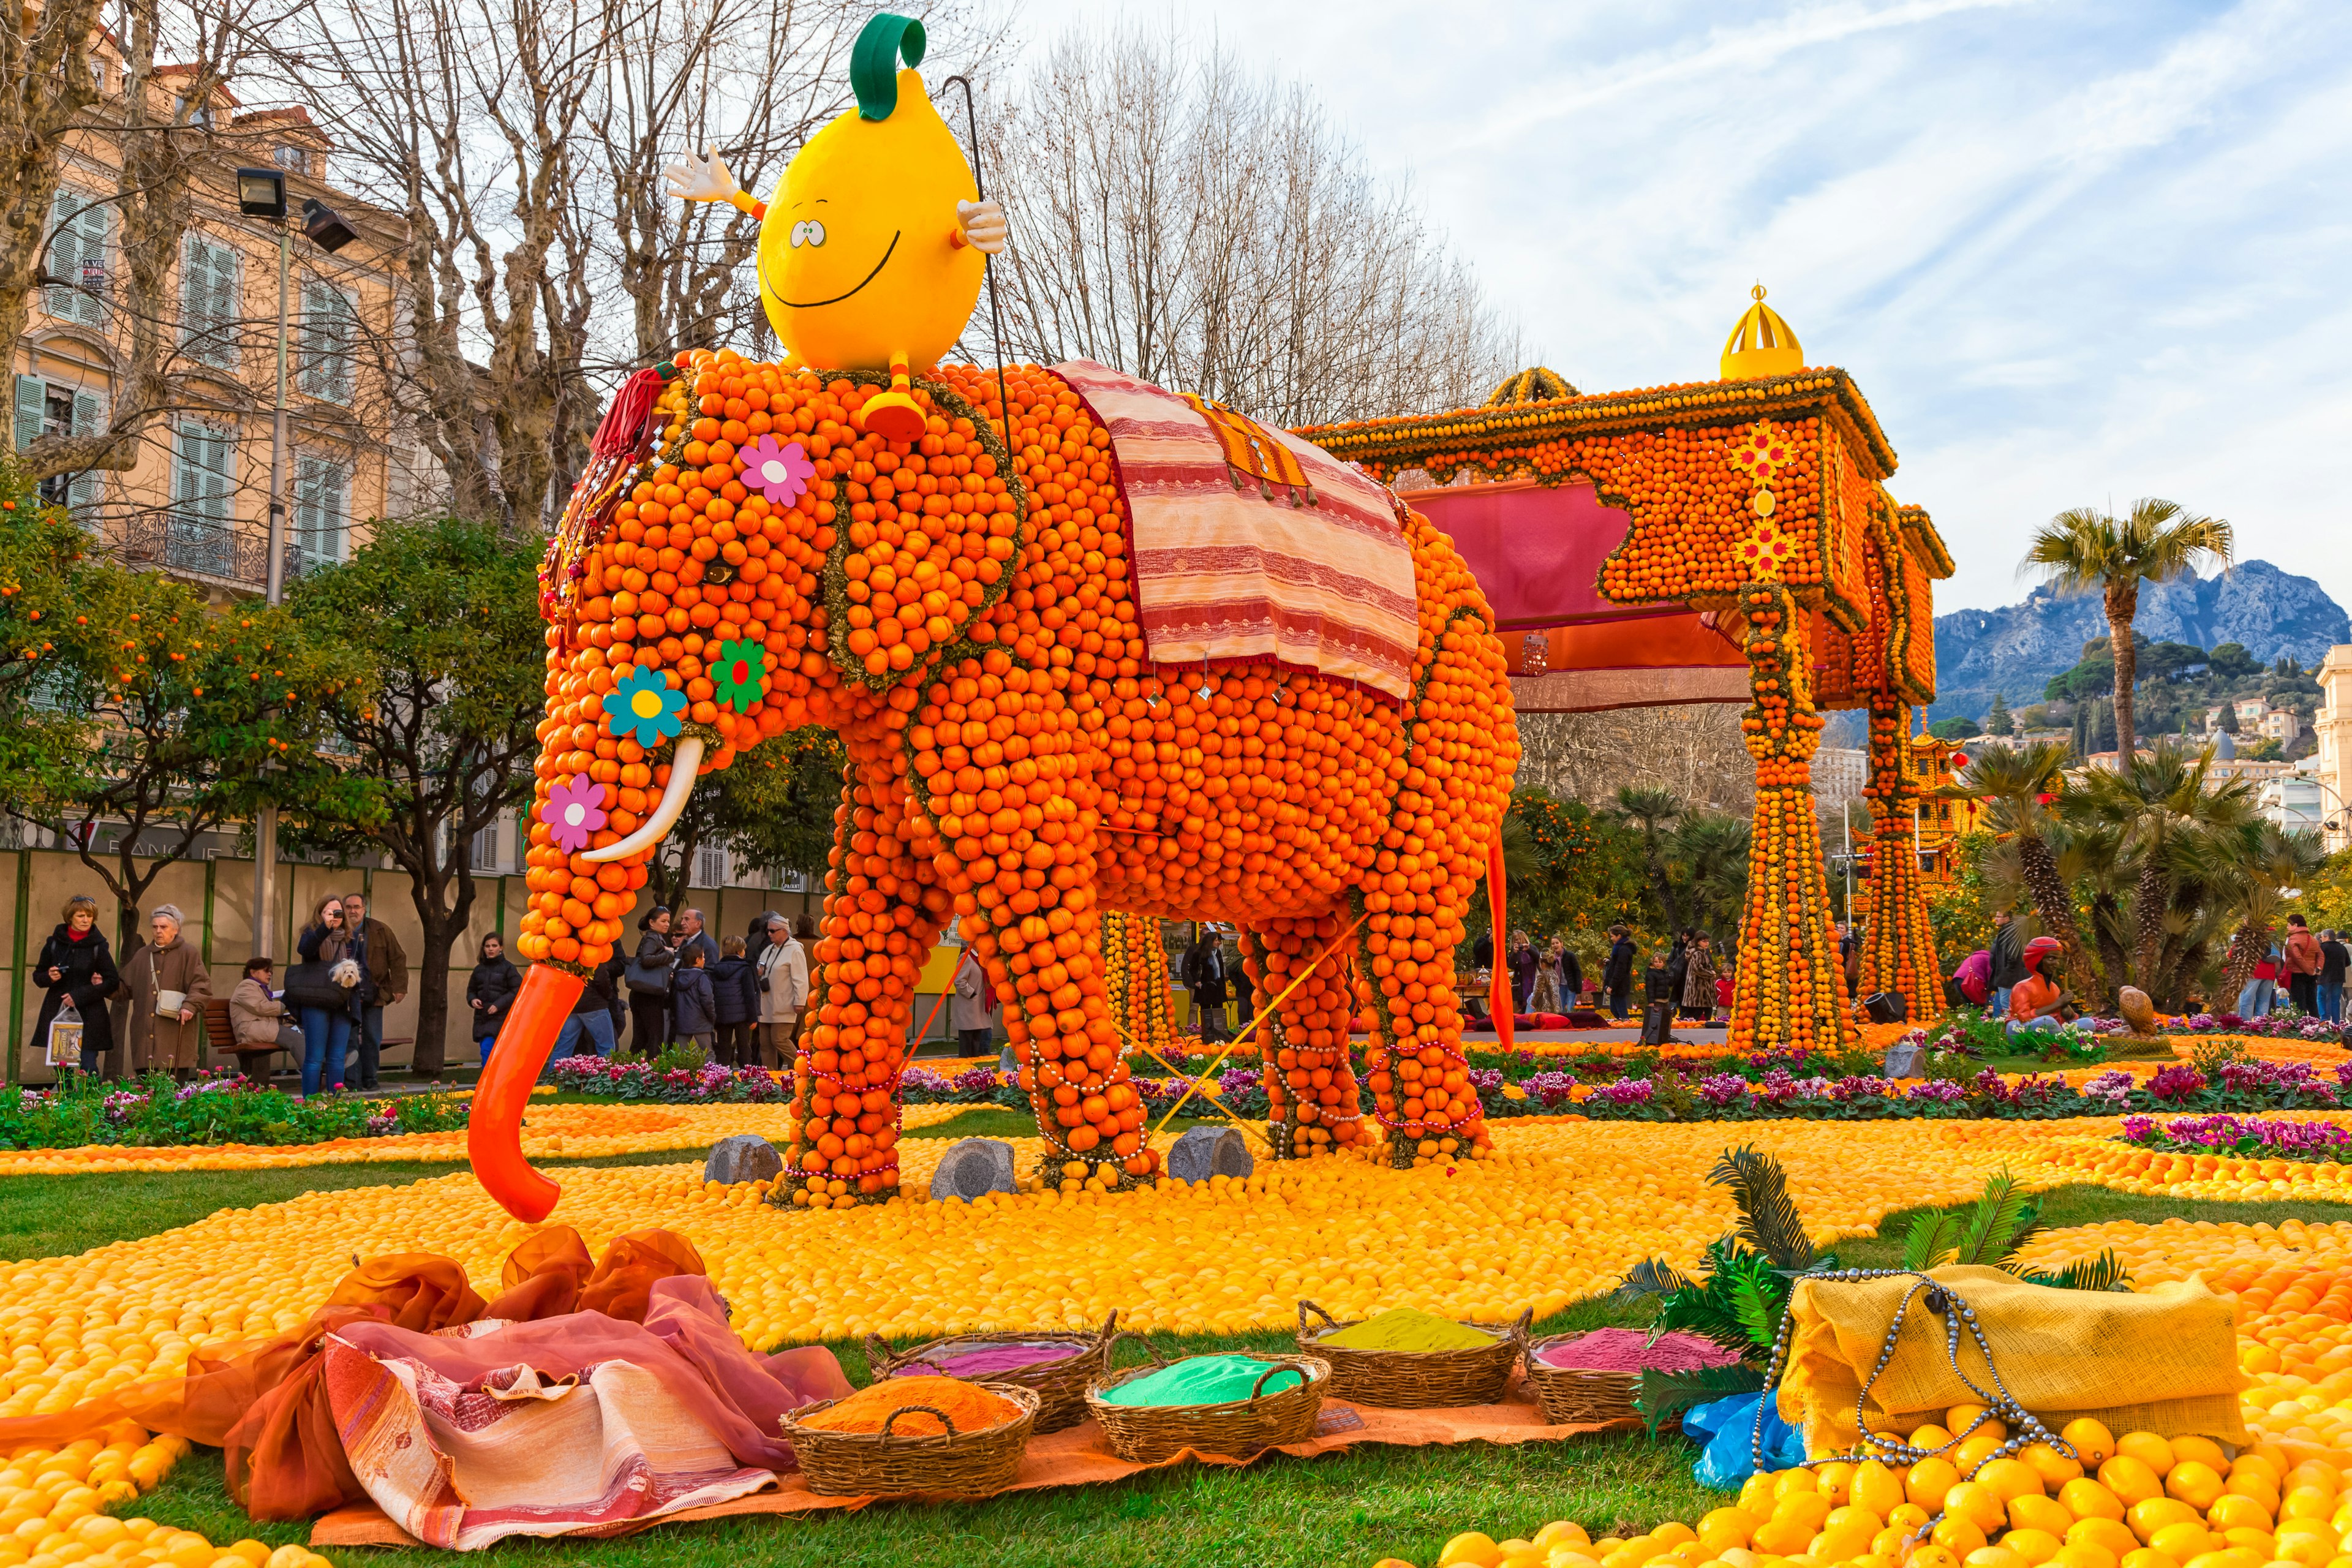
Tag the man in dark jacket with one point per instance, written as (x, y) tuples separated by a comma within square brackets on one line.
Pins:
[(1617, 975), (1203, 973), (383, 965), (735, 986), (2007, 951), (1678, 967), (1482, 951), (2334, 958)]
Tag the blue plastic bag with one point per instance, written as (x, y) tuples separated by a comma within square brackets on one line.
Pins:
[(1725, 1428)]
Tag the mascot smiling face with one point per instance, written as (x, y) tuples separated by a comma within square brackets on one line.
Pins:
[(861, 260)]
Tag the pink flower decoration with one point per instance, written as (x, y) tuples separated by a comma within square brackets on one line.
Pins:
[(780, 473), (574, 809)]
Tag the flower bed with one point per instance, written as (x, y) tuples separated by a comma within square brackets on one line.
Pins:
[(708, 1084), (2225, 1134), (226, 1107)]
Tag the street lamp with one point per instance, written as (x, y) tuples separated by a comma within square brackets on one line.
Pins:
[(261, 193)]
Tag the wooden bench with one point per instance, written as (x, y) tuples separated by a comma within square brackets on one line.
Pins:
[(220, 1033)]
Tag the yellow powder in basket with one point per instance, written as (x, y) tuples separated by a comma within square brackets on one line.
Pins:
[(970, 1406), (1404, 1329)]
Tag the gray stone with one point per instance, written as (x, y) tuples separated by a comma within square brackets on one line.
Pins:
[(1904, 1059), (742, 1158), (1206, 1151), (972, 1168)]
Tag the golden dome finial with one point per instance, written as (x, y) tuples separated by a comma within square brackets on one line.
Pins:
[(1761, 344)]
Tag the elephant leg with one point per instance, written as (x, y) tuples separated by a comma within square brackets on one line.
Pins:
[(1464, 748), (1310, 1086), (881, 916)]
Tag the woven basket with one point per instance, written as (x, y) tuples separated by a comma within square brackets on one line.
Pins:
[(1416, 1380), (1572, 1397), (884, 1464), (1147, 1434), (1061, 1385)]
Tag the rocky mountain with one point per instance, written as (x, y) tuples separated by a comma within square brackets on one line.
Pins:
[(2017, 649)]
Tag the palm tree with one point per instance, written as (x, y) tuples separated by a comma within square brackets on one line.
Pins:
[(2273, 863), (2083, 548), (1651, 810), (2170, 811), (2021, 785), (1710, 849)]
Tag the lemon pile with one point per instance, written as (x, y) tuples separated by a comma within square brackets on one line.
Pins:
[(2138, 1502), (52, 1508)]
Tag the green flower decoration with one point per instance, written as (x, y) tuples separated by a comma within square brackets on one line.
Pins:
[(642, 708), (739, 674)]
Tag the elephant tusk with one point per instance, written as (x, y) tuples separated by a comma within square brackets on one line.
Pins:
[(683, 766)]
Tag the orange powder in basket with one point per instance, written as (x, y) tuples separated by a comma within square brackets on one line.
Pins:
[(970, 1406)]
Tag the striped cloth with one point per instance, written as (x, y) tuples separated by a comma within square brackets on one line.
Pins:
[(1235, 558)]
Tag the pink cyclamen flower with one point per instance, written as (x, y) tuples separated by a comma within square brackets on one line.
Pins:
[(780, 473), (574, 809)]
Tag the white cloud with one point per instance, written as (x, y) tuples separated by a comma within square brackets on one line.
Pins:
[(2072, 250)]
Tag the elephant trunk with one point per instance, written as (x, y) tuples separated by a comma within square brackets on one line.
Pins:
[(494, 1124)]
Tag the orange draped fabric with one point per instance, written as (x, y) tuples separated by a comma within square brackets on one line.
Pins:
[(263, 1404)]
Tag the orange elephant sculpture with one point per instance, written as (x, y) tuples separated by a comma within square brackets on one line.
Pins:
[(963, 613)]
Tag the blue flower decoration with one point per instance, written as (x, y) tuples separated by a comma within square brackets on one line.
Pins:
[(644, 709)]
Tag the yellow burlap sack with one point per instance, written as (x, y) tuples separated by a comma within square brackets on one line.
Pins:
[(2163, 1360)]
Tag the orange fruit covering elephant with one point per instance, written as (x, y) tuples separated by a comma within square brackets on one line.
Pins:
[(964, 617)]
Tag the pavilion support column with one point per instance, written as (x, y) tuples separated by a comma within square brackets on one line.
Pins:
[(1789, 992), (1898, 949)]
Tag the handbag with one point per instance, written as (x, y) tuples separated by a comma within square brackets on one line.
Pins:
[(648, 979), (312, 985)]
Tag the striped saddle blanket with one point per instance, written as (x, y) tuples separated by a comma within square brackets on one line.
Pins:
[(1251, 544)]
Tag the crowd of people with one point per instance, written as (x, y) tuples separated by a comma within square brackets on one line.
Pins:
[(1687, 971), (740, 998)]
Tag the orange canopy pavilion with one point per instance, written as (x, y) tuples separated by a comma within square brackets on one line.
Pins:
[(1714, 542)]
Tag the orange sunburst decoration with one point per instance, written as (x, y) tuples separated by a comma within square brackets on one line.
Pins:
[(1761, 453)]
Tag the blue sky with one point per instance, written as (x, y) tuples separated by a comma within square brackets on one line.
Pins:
[(2073, 252)]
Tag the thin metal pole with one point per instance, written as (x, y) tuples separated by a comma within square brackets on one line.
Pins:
[(265, 819)]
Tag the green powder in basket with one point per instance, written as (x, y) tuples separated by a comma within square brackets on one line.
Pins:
[(1404, 1329), (1203, 1380)]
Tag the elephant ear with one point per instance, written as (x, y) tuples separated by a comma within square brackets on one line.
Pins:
[(931, 532)]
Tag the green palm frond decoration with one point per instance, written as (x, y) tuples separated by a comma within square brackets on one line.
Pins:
[(2104, 1272), (1662, 1395), (1931, 1240), (1768, 1220), (2001, 1221), (1650, 1277)]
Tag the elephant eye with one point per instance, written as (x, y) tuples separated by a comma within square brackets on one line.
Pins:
[(808, 231)]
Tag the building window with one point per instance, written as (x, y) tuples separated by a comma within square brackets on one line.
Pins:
[(79, 232), (203, 461), (486, 849), (292, 159), (211, 299), (328, 324), (322, 508), (47, 408), (711, 867)]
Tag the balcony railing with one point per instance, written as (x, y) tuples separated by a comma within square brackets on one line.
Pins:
[(234, 553)]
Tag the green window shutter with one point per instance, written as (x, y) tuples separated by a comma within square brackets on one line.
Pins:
[(65, 254), (88, 486), (321, 508), (32, 399), (328, 324), (198, 540), (96, 262), (210, 302)]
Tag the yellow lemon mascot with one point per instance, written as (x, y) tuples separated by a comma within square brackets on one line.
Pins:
[(871, 255)]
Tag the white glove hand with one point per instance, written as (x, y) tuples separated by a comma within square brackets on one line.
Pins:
[(982, 223), (701, 179)]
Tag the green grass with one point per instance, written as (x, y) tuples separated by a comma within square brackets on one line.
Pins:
[(1346, 1509)]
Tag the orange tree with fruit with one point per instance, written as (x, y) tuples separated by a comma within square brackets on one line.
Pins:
[(1758, 499), (936, 564)]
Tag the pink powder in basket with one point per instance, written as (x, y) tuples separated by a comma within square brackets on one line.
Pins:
[(973, 1364), (1630, 1349)]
